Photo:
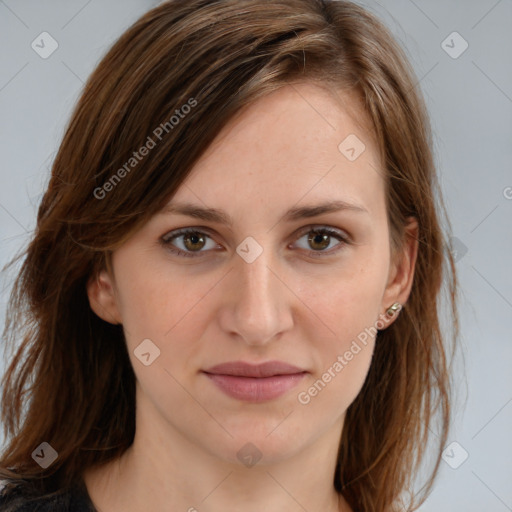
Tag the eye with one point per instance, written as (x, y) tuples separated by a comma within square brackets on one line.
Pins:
[(194, 240), (320, 238)]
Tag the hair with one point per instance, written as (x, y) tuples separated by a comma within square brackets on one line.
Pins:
[(70, 381)]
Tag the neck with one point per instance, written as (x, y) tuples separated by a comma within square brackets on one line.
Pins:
[(165, 470)]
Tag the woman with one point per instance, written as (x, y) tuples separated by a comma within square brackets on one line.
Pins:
[(231, 297)]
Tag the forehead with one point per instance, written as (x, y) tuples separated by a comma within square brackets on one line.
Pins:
[(297, 140)]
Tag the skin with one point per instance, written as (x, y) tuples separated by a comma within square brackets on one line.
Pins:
[(286, 305)]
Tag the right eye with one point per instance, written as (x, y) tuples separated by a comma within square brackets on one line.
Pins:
[(192, 243)]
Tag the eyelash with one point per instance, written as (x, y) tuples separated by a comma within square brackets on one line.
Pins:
[(166, 240)]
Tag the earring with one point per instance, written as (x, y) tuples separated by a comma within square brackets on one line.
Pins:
[(394, 308)]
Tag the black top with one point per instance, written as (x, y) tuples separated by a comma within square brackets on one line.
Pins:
[(20, 498)]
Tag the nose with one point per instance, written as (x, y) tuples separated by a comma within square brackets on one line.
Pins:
[(260, 305)]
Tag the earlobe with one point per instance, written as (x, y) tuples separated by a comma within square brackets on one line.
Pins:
[(101, 294), (401, 276)]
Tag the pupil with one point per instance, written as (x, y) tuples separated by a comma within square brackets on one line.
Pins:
[(323, 238), (193, 238)]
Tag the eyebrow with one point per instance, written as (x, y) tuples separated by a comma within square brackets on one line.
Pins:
[(293, 214)]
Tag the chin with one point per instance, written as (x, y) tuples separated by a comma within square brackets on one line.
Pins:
[(265, 442)]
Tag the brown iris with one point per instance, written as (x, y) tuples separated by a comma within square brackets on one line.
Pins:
[(318, 238), (195, 239)]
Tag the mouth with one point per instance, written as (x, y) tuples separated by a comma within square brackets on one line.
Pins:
[(255, 383)]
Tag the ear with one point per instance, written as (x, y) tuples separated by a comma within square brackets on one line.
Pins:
[(401, 273), (102, 299)]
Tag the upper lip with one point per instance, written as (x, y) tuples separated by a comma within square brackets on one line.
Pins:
[(243, 369)]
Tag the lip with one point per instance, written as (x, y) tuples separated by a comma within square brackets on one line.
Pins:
[(243, 369), (255, 383)]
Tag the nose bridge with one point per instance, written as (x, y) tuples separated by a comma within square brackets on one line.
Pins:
[(260, 307)]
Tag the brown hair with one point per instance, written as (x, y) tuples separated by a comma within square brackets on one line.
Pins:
[(70, 380)]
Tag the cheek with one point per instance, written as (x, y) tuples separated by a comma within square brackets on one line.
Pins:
[(342, 362), (347, 301), (161, 305), (348, 310)]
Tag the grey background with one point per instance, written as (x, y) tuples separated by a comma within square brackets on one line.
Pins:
[(470, 102)]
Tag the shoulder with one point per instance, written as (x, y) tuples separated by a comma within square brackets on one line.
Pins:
[(19, 497)]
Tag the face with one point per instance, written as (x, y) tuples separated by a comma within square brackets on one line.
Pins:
[(264, 286)]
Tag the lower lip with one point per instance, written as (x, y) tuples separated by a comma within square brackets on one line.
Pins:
[(255, 389)]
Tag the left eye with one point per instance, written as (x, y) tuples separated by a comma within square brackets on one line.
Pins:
[(195, 240), (320, 239)]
